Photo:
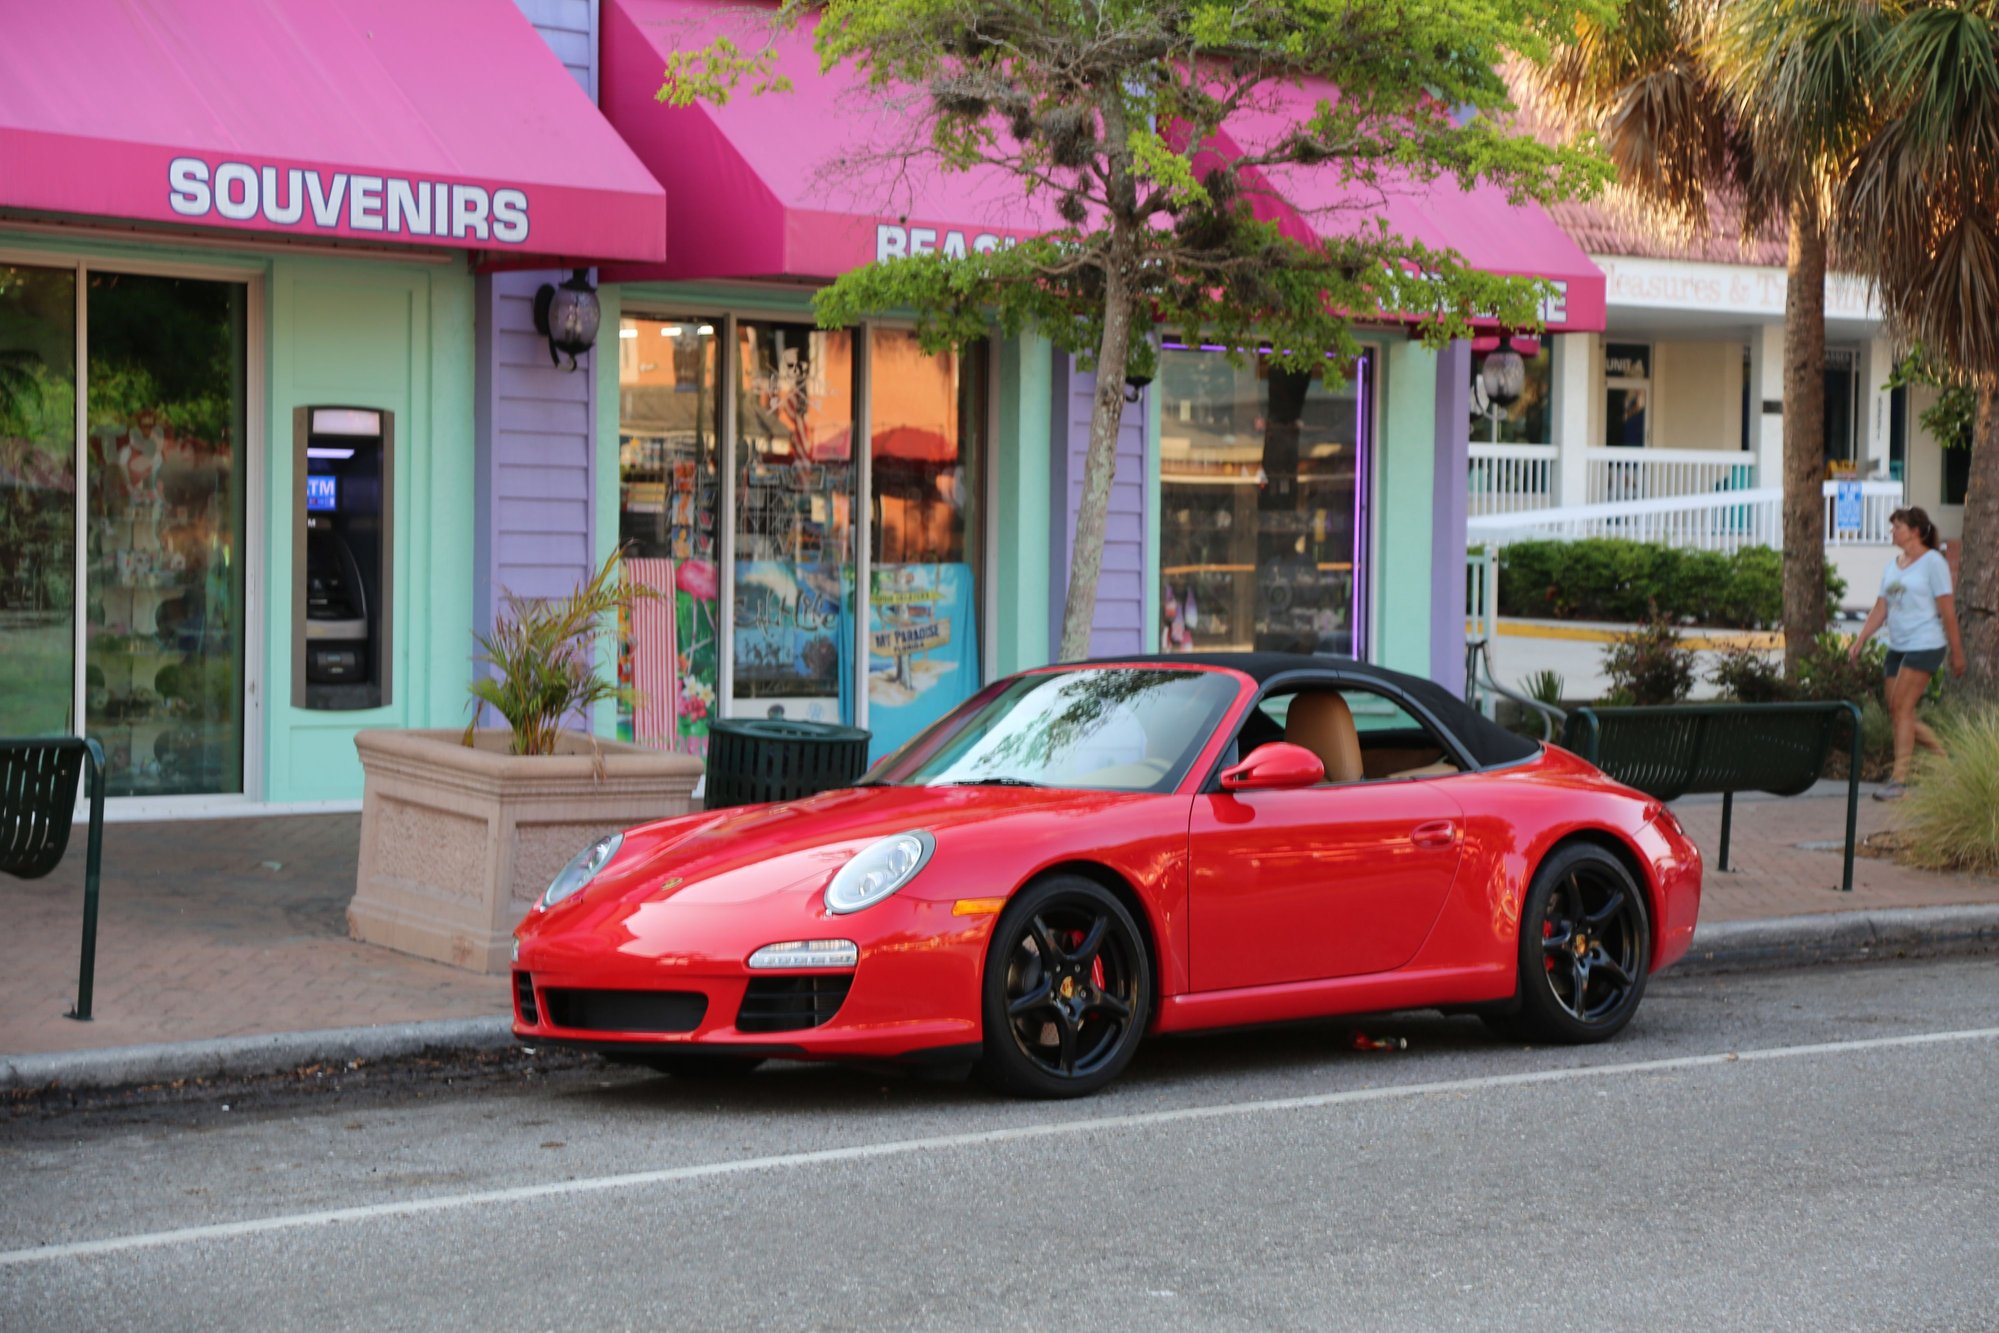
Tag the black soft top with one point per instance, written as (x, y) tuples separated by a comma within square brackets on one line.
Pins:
[(1485, 741)]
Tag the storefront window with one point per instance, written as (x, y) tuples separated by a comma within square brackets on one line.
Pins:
[(793, 646), (163, 667), (37, 501), (794, 516), (924, 461), (1521, 422), (1260, 494), (669, 491)]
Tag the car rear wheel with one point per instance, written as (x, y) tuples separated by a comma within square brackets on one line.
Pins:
[(1067, 991), (1585, 950)]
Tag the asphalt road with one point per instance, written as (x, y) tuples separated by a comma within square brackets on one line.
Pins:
[(1813, 1149)]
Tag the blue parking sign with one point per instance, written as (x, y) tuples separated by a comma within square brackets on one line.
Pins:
[(1846, 507)]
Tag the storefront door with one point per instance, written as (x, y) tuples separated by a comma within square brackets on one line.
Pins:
[(1262, 478), (142, 635)]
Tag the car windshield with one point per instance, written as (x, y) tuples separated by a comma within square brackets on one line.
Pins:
[(1134, 729)]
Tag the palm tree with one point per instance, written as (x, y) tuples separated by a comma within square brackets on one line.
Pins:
[(1920, 215), (1750, 105)]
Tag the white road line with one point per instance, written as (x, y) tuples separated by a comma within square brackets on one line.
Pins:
[(945, 1142)]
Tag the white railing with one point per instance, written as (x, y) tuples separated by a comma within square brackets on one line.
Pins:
[(1716, 521), (1657, 474), (1506, 478)]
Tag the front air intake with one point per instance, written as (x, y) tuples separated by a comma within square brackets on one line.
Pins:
[(524, 1000), (786, 1004), (625, 1010)]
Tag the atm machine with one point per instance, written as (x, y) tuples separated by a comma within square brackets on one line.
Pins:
[(341, 557)]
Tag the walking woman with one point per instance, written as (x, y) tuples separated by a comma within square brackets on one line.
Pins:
[(1921, 616)]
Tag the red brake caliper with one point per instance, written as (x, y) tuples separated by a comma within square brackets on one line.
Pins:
[(1096, 964), (1547, 929)]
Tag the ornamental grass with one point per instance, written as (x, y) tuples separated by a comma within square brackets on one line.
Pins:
[(1950, 818)]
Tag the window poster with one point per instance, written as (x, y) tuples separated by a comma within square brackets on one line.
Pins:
[(668, 658), (923, 649), (792, 637)]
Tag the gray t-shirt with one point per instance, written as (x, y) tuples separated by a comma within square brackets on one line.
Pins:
[(1911, 594)]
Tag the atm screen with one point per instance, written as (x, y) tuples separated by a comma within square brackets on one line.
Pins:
[(322, 494)]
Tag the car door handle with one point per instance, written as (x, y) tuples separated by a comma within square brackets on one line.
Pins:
[(1436, 833)]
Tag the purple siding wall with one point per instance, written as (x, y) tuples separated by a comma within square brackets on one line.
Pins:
[(1119, 626), (570, 29), (536, 425)]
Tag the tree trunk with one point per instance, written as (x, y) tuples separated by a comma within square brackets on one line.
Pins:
[(1804, 436), (1086, 555), (1978, 587)]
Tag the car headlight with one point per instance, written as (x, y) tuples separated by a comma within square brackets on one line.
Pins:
[(581, 870), (878, 870)]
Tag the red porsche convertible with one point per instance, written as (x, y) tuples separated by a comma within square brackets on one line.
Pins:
[(1084, 854)]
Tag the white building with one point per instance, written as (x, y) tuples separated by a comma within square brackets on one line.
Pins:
[(1669, 425)]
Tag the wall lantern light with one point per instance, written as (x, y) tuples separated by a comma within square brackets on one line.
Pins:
[(568, 317), (1503, 376)]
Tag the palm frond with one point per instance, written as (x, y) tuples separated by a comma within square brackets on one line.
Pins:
[(1635, 82), (1919, 213)]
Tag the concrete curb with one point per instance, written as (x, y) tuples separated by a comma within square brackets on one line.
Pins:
[(247, 1057), (1728, 946), (1841, 937)]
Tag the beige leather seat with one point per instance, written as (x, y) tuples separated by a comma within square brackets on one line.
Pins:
[(1320, 721)]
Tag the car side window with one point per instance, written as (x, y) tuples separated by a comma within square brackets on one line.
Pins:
[(1393, 742)]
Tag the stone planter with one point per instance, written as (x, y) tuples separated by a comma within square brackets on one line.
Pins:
[(457, 843)]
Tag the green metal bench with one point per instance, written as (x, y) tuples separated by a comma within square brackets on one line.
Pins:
[(1684, 749), (38, 780)]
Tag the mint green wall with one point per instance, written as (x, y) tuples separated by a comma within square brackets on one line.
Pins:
[(398, 337), (1405, 484), (605, 490), (1023, 507)]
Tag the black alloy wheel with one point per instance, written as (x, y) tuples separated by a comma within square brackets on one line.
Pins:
[(1068, 990), (1585, 949)]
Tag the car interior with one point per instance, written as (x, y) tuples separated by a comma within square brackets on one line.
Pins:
[(1358, 734)]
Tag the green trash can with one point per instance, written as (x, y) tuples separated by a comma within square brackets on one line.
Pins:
[(751, 760)]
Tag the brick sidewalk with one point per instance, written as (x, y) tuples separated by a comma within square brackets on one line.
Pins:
[(1771, 875), (225, 928), (214, 928)]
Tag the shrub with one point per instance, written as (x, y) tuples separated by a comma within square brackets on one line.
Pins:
[(1951, 814), (1826, 674), (1648, 666), (1607, 578), (1749, 677)]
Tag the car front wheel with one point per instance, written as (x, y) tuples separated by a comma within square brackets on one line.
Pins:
[(1067, 991), (1585, 949)]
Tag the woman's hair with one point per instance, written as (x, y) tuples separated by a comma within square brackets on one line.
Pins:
[(1912, 517)]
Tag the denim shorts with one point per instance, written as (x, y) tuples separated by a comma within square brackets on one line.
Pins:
[(1926, 660)]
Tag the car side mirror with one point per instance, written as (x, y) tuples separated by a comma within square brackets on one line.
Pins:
[(1278, 766)]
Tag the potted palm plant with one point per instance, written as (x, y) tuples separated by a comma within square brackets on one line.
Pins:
[(461, 831)]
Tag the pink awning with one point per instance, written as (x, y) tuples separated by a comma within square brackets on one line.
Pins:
[(776, 186), (398, 122), (769, 187), (1493, 235)]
